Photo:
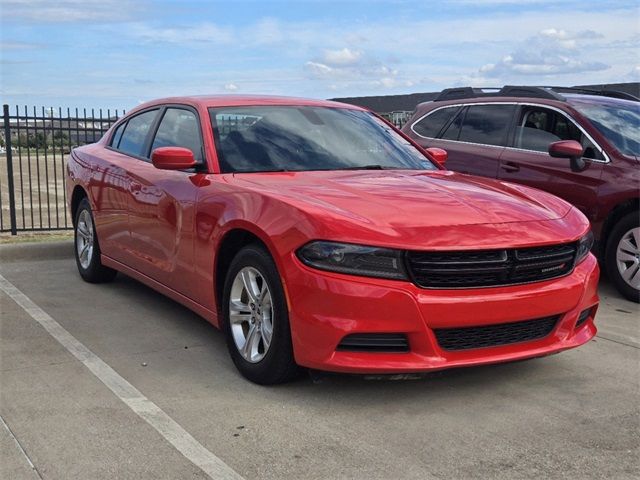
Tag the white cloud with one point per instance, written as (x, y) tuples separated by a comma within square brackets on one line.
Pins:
[(63, 11), (231, 87), (345, 67), (550, 52), (204, 33), (318, 69), (18, 46), (634, 74), (342, 57)]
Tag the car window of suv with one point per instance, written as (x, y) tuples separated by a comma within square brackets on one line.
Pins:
[(538, 127), (487, 124), (179, 128), (431, 124), (452, 132), (135, 133)]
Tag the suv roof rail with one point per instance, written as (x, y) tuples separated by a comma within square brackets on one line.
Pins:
[(604, 92), (546, 92), (506, 91)]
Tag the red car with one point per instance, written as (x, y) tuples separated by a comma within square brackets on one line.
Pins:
[(517, 133), (316, 235)]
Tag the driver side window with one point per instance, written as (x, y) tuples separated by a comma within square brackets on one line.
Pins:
[(179, 128), (538, 127)]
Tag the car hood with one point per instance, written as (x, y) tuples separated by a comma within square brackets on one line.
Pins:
[(408, 198)]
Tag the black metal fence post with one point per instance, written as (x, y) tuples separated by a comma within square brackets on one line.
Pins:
[(12, 191)]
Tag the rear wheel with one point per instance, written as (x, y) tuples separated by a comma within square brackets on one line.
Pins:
[(256, 318), (622, 257), (87, 248)]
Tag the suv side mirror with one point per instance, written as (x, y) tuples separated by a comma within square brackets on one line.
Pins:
[(173, 158), (439, 155), (569, 149)]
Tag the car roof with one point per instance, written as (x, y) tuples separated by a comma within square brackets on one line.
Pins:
[(556, 96), (246, 100)]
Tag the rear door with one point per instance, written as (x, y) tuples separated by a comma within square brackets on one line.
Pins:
[(528, 162), (162, 203), (474, 137), (111, 184)]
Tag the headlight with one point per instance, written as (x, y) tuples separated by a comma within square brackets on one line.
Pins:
[(354, 259), (584, 247)]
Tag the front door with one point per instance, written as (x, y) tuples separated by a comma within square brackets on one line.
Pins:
[(162, 205), (528, 162)]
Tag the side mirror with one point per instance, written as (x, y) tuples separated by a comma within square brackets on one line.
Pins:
[(173, 158), (569, 149), (439, 155)]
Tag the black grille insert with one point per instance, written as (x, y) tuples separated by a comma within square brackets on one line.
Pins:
[(584, 315), (494, 335), (374, 342), (490, 268)]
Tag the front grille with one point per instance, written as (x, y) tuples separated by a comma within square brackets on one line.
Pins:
[(374, 342), (490, 268), (494, 335)]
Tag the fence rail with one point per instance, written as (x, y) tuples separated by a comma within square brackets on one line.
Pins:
[(34, 146)]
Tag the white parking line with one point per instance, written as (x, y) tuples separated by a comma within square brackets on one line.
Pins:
[(130, 395)]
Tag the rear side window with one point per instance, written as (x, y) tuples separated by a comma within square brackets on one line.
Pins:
[(487, 124), (432, 123), (135, 133), (453, 130), (179, 128)]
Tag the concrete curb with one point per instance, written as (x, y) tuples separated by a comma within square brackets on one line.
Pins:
[(20, 252)]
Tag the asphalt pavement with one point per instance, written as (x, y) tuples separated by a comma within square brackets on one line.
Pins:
[(115, 381)]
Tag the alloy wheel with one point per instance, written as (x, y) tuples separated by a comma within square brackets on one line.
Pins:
[(84, 239), (628, 257), (251, 314)]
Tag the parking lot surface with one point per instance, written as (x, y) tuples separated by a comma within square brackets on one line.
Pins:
[(572, 415)]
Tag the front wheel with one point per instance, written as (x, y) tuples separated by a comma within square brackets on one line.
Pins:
[(256, 319), (622, 257), (87, 248)]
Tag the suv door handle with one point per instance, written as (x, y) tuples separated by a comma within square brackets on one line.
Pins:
[(510, 167)]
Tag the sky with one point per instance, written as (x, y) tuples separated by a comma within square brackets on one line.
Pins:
[(119, 53)]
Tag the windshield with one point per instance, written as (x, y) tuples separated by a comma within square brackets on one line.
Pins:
[(619, 123), (299, 138)]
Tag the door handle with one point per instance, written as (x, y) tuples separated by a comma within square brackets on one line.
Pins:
[(510, 167)]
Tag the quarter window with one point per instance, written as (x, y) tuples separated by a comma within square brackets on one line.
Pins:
[(432, 123), (135, 133), (115, 140), (179, 128), (487, 124)]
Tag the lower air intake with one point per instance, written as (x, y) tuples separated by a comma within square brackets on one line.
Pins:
[(495, 335), (374, 342)]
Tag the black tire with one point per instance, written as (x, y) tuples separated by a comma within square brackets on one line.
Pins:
[(278, 364), (92, 271), (626, 223)]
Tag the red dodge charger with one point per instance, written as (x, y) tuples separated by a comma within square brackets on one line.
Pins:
[(316, 235)]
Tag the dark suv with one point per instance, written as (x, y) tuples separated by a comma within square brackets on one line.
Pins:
[(581, 145)]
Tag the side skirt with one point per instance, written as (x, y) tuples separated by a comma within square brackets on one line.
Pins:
[(207, 314)]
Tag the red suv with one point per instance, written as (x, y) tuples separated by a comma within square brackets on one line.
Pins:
[(581, 145)]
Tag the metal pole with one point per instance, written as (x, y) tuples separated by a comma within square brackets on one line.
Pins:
[(12, 191)]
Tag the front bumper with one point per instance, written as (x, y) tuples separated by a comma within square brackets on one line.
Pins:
[(325, 307)]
